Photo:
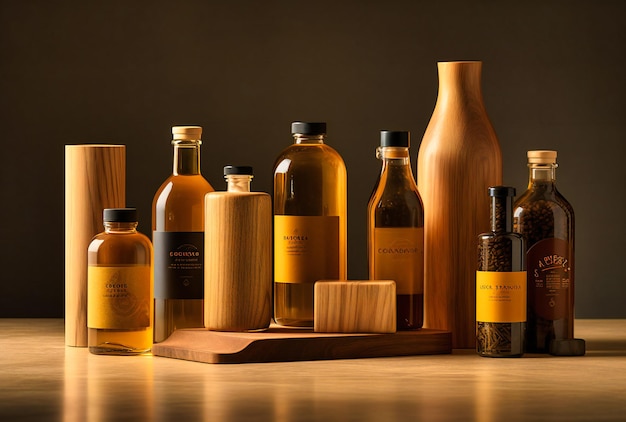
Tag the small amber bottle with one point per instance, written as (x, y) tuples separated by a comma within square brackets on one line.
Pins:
[(395, 226), (119, 287)]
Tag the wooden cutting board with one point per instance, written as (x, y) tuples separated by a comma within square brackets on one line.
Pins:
[(283, 345)]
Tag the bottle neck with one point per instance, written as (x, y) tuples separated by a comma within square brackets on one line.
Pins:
[(501, 214), (120, 227), (308, 139), (394, 158), (541, 174), (186, 157), (238, 182)]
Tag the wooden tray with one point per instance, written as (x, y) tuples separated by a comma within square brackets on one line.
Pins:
[(283, 345)]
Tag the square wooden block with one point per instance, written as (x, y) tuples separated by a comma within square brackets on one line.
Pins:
[(355, 306)]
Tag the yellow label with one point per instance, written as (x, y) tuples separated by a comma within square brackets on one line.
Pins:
[(119, 297), (398, 255), (500, 296), (306, 249)]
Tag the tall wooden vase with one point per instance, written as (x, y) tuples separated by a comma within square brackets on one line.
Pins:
[(459, 158)]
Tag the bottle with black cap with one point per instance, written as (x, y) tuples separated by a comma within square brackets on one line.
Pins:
[(238, 255), (310, 222), (501, 282), (395, 226), (119, 287)]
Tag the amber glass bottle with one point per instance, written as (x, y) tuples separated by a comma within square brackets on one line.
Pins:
[(119, 291), (178, 237), (546, 221), (501, 282), (395, 226), (310, 211)]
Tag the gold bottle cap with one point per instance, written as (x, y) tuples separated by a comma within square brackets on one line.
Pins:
[(187, 133), (542, 157)]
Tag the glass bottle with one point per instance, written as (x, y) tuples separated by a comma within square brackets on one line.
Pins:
[(310, 212), (178, 237), (546, 221), (501, 282), (120, 288), (395, 223)]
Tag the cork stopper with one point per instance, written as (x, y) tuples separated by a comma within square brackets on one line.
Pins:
[(542, 157), (187, 133)]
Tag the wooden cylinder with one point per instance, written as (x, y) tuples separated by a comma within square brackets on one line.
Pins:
[(238, 261), (95, 178), (459, 158)]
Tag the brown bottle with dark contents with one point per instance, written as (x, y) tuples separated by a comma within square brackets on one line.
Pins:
[(546, 220)]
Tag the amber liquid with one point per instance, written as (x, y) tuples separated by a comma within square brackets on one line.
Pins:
[(543, 213), (309, 180), (178, 206), (127, 249), (395, 203)]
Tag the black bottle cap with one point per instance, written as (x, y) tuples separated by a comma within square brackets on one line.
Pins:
[(304, 128), (568, 347), (501, 191), (243, 170), (394, 138), (120, 215)]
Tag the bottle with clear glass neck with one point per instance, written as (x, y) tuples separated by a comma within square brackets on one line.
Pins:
[(238, 178), (396, 229), (178, 238), (310, 222), (546, 221), (120, 287)]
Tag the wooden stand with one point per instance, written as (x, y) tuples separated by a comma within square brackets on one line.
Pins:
[(459, 158), (284, 345), (238, 261), (94, 180)]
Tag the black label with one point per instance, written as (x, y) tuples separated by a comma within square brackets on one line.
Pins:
[(178, 265)]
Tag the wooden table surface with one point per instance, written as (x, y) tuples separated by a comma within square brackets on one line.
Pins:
[(41, 379)]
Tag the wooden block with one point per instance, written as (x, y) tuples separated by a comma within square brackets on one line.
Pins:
[(238, 261), (279, 344), (355, 306)]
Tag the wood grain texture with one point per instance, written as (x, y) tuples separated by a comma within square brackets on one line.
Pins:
[(284, 345), (459, 158), (95, 178), (355, 306), (238, 261)]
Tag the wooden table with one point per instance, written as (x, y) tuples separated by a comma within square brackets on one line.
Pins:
[(41, 379)]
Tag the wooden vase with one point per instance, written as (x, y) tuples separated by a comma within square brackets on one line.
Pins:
[(238, 261), (95, 178), (459, 158)]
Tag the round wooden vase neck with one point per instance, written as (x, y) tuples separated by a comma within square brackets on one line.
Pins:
[(458, 159)]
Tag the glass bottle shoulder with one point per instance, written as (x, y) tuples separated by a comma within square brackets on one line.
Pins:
[(308, 154), (120, 248), (542, 198)]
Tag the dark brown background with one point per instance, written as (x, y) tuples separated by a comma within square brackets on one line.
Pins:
[(124, 72)]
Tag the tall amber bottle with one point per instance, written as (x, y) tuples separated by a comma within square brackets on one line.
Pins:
[(178, 238), (310, 211), (395, 227), (459, 158), (546, 220), (119, 311)]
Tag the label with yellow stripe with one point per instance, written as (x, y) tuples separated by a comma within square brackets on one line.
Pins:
[(500, 296)]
